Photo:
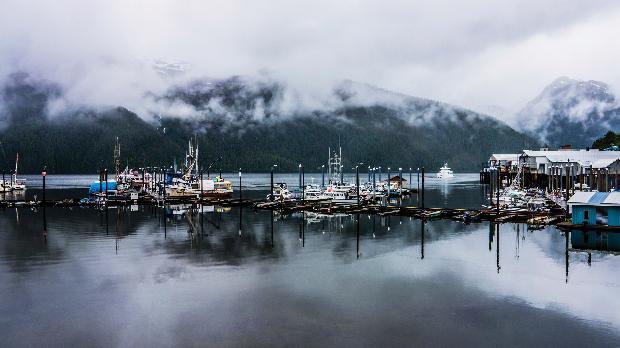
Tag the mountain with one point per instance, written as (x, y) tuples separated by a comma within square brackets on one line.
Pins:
[(572, 112), (251, 124)]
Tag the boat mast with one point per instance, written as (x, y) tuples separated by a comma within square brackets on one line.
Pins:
[(117, 159), (15, 172)]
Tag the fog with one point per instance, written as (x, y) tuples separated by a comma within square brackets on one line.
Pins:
[(486, 55)]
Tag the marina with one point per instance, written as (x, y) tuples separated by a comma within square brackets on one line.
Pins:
[(206, 262)]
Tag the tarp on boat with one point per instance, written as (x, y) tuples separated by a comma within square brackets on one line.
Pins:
[(101, 186)]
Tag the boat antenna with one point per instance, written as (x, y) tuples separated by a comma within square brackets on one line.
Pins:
[(117, 158)]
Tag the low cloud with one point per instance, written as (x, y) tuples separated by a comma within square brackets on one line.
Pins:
[(473, 53)]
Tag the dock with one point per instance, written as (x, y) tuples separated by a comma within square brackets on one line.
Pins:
[(324, 207)]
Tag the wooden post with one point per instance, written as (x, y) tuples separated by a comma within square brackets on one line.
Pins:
[(498, 185), (357, 184), (422, 188)]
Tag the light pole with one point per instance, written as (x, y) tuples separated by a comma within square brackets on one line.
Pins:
[(389, 182), (322, 176), (418, 180), (400, 179), (357, 183), (410, 176), (374, 182)]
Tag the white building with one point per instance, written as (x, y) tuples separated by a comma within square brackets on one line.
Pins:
[(544, 161)]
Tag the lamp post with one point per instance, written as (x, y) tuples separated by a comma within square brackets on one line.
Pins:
[(43, 175), (240, 192), (418, 180), (299, 177), (389, 182), (357, 183), (400, 181), (410, 176), (374, 182), (322, 176)]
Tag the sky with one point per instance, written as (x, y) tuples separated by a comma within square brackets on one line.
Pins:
[(487, 55)]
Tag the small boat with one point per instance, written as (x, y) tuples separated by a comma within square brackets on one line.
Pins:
[(445, 172), (280, 192)]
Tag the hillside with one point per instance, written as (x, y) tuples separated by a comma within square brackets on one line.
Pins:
[(251, 125)]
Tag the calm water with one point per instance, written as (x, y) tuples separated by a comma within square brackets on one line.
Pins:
[(144, 277)]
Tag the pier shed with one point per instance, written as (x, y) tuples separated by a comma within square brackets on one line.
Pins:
[(595, 208)]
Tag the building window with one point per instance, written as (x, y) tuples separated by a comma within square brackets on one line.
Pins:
[(586, 215)]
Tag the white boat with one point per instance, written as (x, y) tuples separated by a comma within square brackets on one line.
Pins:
[(339, 197), (17, 184), (445, 172), (5, 187), (314, 193), (280, 192)]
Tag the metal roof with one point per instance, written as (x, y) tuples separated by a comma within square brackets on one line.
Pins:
[(595, 198), (505, 157), (582, 157)]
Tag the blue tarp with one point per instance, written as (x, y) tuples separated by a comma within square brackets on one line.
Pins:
[(101, 187)]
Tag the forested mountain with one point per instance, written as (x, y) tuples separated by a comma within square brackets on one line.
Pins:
[(251, 125)]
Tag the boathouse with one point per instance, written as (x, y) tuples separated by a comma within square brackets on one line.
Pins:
[(396, 180), (593, 208)]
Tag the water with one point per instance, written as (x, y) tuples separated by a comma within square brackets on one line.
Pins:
[(253, 278)]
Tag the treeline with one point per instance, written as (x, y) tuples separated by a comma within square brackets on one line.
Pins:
[(83, 143), (610, 139)]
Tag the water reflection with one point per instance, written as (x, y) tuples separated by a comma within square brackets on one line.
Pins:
[(595, 240), (218, 266)]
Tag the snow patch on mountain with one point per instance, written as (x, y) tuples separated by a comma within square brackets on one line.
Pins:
[(569, 111)]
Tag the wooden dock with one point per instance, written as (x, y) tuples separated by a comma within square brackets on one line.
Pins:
[(326, 207)]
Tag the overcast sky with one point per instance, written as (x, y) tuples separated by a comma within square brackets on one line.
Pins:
[(479, 54)]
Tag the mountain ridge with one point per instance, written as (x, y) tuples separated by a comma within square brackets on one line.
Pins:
[(251, 126)]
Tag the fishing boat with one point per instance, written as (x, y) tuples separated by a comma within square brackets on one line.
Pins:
[(314, 193), (445, 172), (217, 187), (280, 192), (5, 187)]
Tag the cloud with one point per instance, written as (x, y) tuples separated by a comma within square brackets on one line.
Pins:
[(474, 53)]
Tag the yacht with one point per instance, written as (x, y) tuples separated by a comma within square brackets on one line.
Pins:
[(445, 172)]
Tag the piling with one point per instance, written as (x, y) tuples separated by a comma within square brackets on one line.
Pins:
[(422, 193), (357, 183), (271, 195), (498, 185)]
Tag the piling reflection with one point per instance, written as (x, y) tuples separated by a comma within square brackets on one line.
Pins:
[(221, 236)]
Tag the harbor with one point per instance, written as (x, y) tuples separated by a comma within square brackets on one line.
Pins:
[(203, 264)]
